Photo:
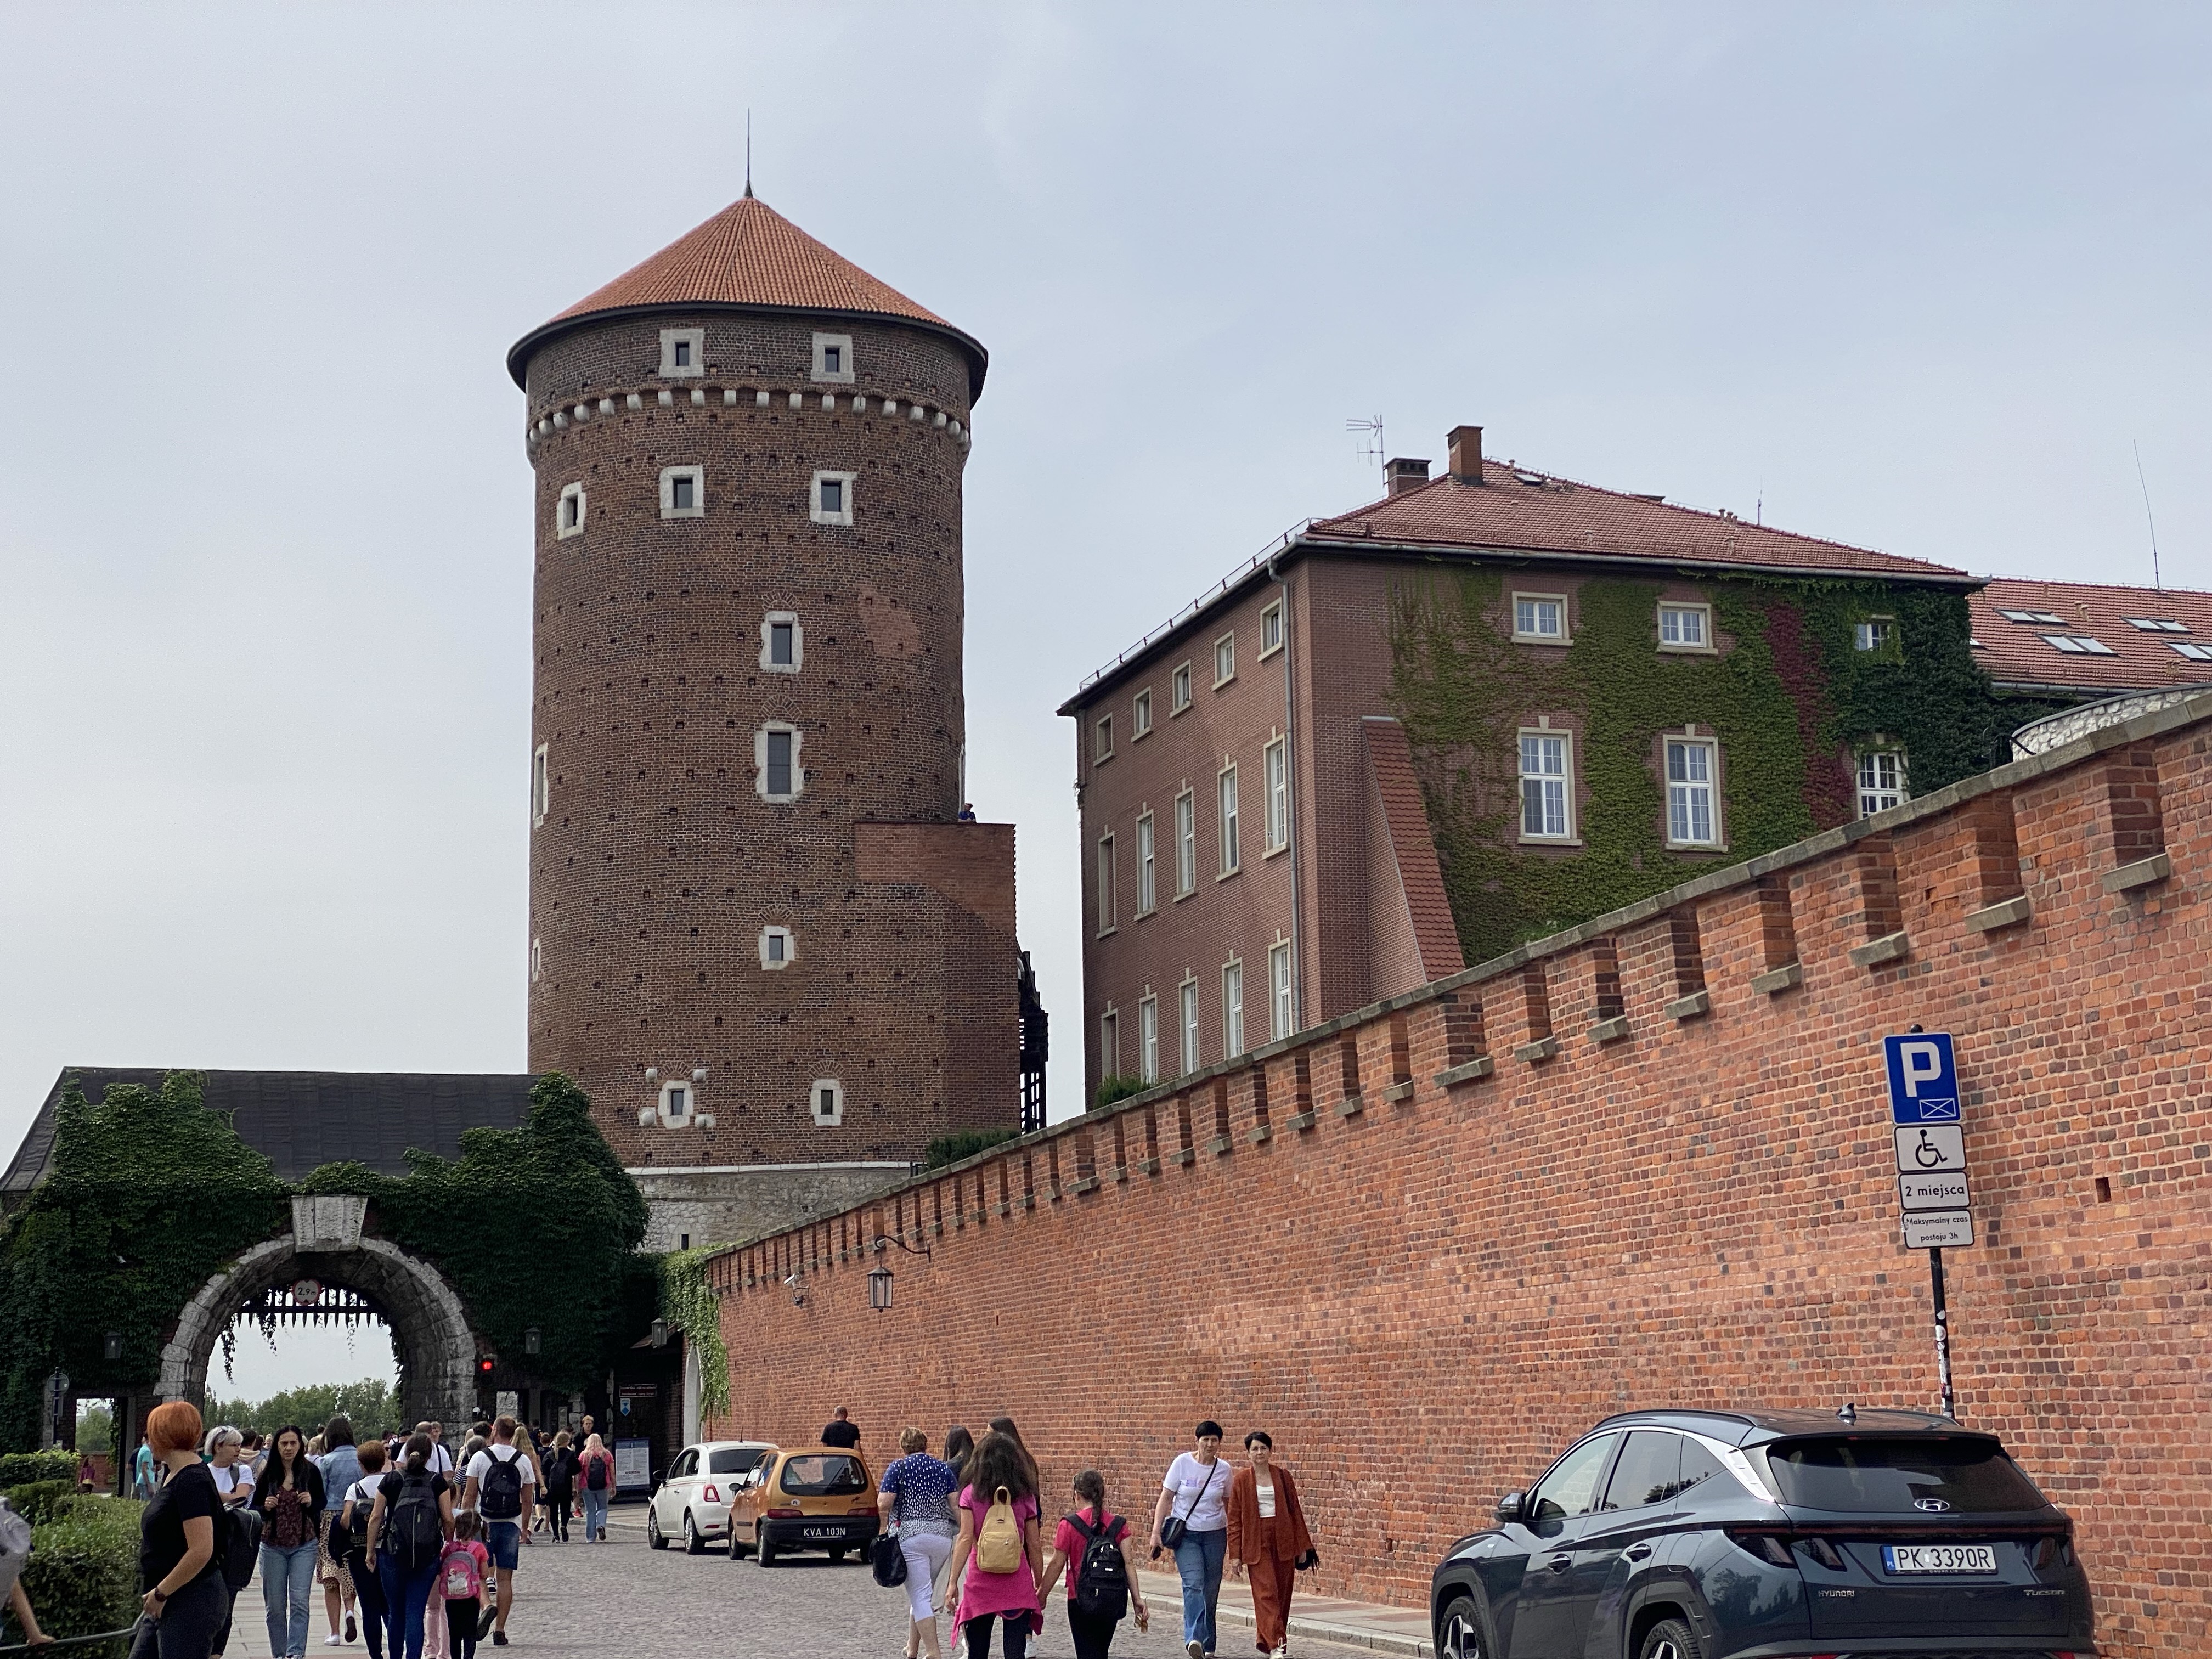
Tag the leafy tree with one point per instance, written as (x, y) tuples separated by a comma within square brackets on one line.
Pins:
[(370, 1405)]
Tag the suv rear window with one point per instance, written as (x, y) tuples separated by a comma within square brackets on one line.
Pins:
[(1870, 1476), (823, 1474), (733, 1460)]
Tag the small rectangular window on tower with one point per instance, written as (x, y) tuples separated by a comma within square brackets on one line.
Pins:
[(682, 353), (683, 492), (783, 642), (541, 787), (569, 514), (833, 358), (775, 756), (828, 1097), (833, 497)]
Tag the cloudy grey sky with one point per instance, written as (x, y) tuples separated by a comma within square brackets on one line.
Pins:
[(1916, 276)]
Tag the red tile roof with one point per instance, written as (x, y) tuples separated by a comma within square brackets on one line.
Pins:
[(748, 254), (2018, 653), (1515, 508)]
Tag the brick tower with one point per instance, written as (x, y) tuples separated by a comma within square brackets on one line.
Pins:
[(760, 935)]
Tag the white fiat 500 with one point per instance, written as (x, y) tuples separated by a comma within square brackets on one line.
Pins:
[(692, 1502)]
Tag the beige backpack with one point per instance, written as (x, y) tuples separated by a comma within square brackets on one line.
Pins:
[(999, 1539)]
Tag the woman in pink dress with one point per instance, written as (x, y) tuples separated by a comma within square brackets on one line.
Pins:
[(1012, 1599)]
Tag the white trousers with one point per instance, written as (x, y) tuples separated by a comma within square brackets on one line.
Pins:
[(926, 1553)]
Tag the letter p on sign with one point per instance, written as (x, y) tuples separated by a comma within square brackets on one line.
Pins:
[(1923, 1082)]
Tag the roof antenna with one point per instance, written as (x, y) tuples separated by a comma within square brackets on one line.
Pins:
[(749, 156), (2140, 479), (1372, 450), (1759, 508)]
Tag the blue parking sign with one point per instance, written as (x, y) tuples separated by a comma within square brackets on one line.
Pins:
[(1923, 1082)]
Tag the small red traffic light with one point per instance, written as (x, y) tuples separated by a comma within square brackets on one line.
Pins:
[(484, 1367)]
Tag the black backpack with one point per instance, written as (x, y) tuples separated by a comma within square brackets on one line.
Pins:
[(241, 1547), (595, 1478), (499, 1494), (1102, 1579), (414, 1530)]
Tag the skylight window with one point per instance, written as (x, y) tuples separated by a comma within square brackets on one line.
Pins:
[(2158, 625), (2078, 644), (2191, 650), (2043, 617)]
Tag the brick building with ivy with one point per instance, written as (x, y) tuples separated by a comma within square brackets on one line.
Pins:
[(1490, 705)]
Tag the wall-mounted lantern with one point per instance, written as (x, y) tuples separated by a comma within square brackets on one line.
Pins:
[(112, 1348), (531, 1341), (879, 1287), (660, 1333)]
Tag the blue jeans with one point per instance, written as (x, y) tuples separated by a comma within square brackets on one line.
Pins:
[(1198, 1561), (595, 1513), (405, 1594), (287, 1578)]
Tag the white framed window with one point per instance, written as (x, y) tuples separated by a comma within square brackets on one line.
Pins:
[(1225, 660), (1685, 627), (1102, 744), (779, 948), (1188, 993), (2158, 624), (1881, 780), (1148, 1040), (1229, 851), (536, 960), (1106, 916), (1874, 634), (2074, 645), (2044, 617), (1110, 1044), (677, 1101), (826, 1097), (833, 358), (568, 512), (1541, 618), (1232, 1009), (832, 497), (1547, 795), (2190, 649), (1140, 713), (1694, 818), (683, 492), (1271, 630), (682, 353), (783, 643), (1278, 795), (1146, 885), (541, 784), (1278, 989), (777, 775), (1179, 688), (1186, 809)]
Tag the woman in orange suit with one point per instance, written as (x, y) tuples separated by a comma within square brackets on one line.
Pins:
[(1267, 1536)]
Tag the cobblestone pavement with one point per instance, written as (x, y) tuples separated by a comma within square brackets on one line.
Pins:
[(621, 1600)]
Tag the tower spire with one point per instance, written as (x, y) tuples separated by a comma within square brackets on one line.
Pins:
[(749, 155)]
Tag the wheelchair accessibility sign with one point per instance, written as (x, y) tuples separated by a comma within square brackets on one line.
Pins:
[(1923, 1082)]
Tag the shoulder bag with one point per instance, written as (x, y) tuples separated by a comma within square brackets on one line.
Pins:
[(1173, 1529)]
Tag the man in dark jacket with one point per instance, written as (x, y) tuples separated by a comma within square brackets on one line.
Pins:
[(842, 1431)]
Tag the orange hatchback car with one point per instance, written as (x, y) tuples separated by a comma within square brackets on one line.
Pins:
[(818, 1499)]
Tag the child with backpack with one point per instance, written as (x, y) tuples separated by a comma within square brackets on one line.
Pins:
[(997, 1550), (463, 1568), (1095, 1547)]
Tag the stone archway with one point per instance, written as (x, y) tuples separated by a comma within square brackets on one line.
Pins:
[(429, 1325)]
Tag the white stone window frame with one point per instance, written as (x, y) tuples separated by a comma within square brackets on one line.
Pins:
[(1179, 688), (1148, 878), (536, 960), (770, 624), (1679, 608), (1271, 629), (1280, 1016), (541, 784), (1566, 778), (1875, 632), (760, 761), (823, 344), (1186, 824), (846, 482), (1275, 778), (770, 959), (1224, 660), (1232, 1008), (1566, 635), (1689, 738), (1189, 1048), (1148, 1039), (1102, 738), (831, 1089), (1109, 1042), (1872, 794), (698, 475), (1109, 900), (1140, 714), (563, 529), (675, 1090), (1227, 822), (696, 338)]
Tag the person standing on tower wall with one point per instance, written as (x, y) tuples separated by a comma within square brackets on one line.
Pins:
[(841, 1431), (1191, 1520), (1267, 1534)]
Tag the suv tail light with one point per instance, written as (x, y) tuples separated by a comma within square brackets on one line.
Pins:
[(1768, 1546), (1823, 1551), (2052, 1551), (790, 1513)]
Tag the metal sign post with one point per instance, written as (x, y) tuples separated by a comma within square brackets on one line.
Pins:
[(1932, 1193)]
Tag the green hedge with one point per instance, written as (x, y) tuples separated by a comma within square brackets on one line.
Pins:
[(952, 1148), (17, 1468), (82, 1576), (36, 1501)]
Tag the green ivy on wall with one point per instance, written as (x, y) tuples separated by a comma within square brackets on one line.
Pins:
[(1788, 698), (688, 1302)]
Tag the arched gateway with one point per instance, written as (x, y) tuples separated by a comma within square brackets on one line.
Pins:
[(326, 1244)]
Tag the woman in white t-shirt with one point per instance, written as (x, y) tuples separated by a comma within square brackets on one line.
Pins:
[(233, 1478), (1196, 1492)]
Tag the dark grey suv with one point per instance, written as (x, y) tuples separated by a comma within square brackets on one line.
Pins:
[(1691, 1535)]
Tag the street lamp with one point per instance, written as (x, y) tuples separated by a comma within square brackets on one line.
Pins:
[(660, 1333), (879, 1286), (112, 1348), (530, 1339)]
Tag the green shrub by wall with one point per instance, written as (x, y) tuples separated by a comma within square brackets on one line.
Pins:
[(82, 1576), (18, 1467), (34, 1500), (950, 1149), (1789, 701)]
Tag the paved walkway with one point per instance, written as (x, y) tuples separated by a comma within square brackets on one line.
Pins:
[(620, 1600)]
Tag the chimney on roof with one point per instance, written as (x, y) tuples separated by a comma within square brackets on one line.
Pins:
[(1465, 443), (1401, 476)]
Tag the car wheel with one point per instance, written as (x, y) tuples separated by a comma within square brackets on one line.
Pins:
[(693, 1544), (653, 1535), (1459, 1632), (764, 1552), (1670, 1638), (736, 1550)]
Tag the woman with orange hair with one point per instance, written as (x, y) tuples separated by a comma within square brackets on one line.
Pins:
[(186, 1600)]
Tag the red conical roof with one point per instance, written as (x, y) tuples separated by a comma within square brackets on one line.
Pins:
[(748, 256)]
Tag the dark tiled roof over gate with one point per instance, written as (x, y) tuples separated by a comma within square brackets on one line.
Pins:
[(299, 1120)]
